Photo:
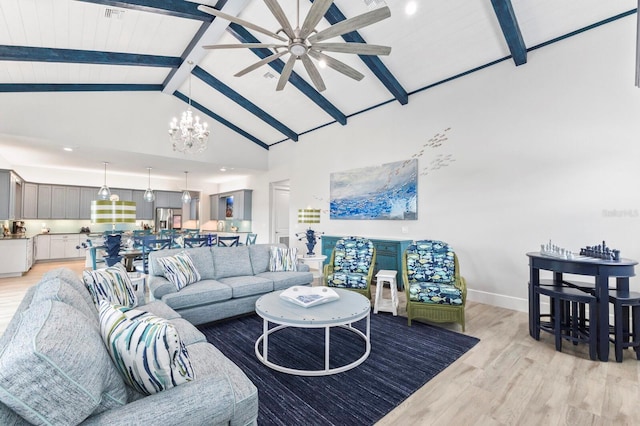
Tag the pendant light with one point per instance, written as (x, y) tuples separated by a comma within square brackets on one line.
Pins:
[(186, 196), (149, 196), (104, 193)]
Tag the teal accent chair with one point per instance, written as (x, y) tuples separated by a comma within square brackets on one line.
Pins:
[(351, 265), (435, 290)]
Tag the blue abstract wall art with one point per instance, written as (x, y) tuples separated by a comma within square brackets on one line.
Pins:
[(385, 192)]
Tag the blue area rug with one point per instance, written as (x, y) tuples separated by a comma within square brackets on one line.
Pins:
[(402, 359)]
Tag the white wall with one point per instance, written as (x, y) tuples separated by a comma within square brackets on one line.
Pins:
[(541, 152)]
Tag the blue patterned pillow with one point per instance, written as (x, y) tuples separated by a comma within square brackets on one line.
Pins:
[(146, 349), (430, 261), (283, 259), (111, 284), (179, 269)]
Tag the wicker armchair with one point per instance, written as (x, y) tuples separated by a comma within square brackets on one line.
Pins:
[(351, 265), (435, 290)]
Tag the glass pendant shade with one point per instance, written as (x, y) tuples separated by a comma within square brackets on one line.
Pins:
[(186, 196), (149, 196), (104, 193)]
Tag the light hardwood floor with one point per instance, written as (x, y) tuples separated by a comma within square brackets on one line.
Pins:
[(506, 379)]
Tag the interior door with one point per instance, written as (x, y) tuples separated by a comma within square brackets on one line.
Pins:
[(280, 212)]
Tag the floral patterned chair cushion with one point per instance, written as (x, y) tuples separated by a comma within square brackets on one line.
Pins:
[(352, 260), (431, 273)]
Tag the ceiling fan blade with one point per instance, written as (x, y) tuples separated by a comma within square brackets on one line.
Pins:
[(236, 20), (317, 11), (260, 63), (313, 73), (357, 48), (286, 72), (246, 45), (351, 24), (337, 65), (277, 11)]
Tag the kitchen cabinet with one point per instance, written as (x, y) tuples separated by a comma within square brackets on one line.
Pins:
[(43, 243), (238, 203), (29, 200), (144, 209), (169, 199), (10, 195), (44, 201), (5, 187), (63, 246), (15, 253), (242, 204), (123, 194), (216, 211), (87, 195), (65, 202)]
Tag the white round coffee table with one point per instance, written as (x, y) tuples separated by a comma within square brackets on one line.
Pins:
[(350, 308)]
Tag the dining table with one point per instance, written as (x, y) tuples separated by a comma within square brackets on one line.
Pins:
[(600, 270)]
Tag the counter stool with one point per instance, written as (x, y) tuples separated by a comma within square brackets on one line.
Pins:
[(568, 317), (380, 303), (623, 337)]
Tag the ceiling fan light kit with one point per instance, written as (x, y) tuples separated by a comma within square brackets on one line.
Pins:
[(303, 43)]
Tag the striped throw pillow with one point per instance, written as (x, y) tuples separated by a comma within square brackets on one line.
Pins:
[(283, 259), (111, 284), (146, 349), (179, 269)]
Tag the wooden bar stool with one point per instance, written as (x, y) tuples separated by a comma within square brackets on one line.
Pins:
[(623, 337), (568, 317)]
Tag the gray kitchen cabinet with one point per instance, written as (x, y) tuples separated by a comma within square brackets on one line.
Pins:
[(10, 195), (237, 204), (5, 187), (123, 194), (242, 204), (44, 201), (86, 196), (58, 202), (72, 203), (30, 200), (216, 212), (144, 209), (169, 199)]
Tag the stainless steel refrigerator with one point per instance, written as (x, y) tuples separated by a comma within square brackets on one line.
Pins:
[(168, 219)]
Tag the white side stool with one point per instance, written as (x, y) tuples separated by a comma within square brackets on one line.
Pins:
[(382, 304)]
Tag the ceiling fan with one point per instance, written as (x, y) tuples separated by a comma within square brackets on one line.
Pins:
[(303, 43)]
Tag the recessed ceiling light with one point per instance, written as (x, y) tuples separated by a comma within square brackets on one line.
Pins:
[(411, 8), (223, 169), (322, 63), (66, 148)]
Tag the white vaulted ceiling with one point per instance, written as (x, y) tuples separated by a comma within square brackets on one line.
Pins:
[(105, 77)]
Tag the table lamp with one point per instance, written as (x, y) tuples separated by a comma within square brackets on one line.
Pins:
[(308, 216)]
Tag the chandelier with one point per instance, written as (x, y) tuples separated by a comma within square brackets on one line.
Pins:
[(189, 135)]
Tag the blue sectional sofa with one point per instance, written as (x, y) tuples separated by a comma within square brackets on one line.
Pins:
[(232, 279)]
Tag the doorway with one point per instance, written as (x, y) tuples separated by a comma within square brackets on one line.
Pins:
[(279, 212)]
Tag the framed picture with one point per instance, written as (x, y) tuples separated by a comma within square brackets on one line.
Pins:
[(385, 192)]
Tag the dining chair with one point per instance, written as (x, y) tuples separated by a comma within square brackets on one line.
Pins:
[(228, 241), (151, 243), (213, 240), (251, 239), (195, 242)]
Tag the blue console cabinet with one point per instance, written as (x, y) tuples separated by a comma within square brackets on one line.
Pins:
[(388, 253)]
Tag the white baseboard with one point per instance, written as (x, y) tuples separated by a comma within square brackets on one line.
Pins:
[(500, 300)]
